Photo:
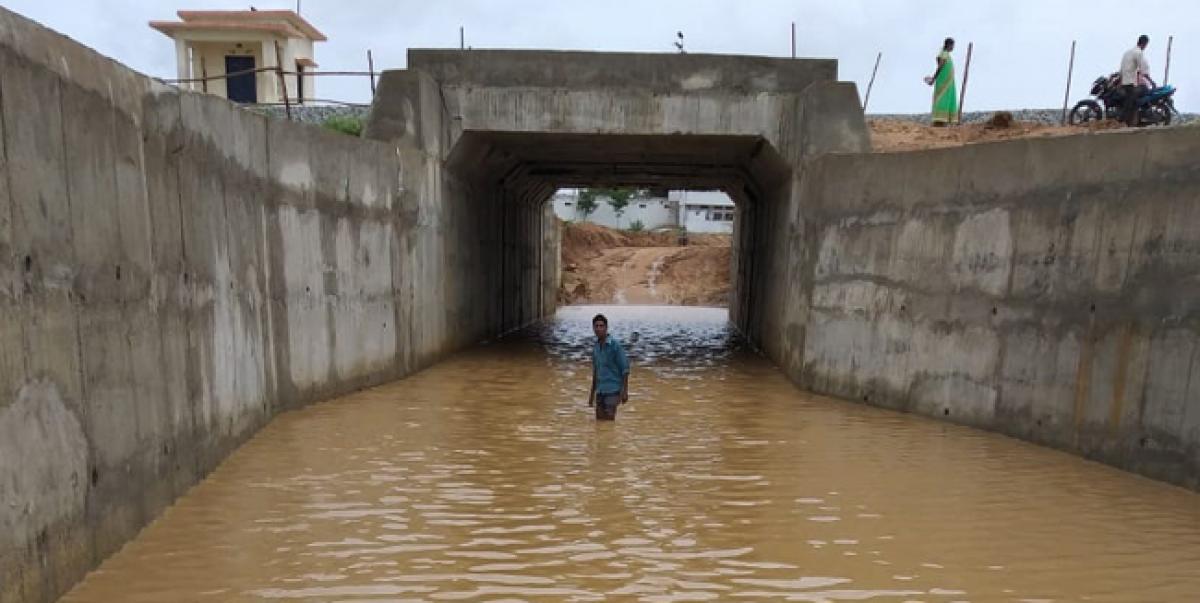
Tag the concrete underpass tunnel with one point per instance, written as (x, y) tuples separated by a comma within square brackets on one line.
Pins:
[(513, 175), (487, 136)]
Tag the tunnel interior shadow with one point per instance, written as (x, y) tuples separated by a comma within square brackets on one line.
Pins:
[(513, 175)]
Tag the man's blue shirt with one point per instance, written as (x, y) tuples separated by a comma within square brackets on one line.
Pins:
[(610, 364)]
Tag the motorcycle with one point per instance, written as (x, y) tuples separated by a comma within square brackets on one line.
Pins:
[(1154, 107)]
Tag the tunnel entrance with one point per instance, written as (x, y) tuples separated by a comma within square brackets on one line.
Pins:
[(642, 246), (512, 176)]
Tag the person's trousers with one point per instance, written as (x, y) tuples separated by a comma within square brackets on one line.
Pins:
[(1129, 110), (606, 406)]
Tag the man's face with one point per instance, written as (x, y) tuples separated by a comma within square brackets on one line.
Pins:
[(600, 329)]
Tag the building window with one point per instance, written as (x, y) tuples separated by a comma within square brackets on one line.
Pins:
[(299, 83), (642, 205)]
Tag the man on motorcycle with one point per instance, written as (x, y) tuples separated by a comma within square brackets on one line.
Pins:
[(1135, 75)]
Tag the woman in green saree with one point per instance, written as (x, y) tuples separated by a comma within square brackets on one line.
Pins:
[(945, 93)]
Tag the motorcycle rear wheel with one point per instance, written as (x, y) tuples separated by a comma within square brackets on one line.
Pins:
[(1085, 111), (1158, 115)]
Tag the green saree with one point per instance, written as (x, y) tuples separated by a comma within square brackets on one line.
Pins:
[(945, 93)]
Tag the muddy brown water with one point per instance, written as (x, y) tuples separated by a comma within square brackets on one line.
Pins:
[(485, 478)]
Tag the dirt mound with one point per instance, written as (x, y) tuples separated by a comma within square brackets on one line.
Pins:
[(709, 240), (1000, 120), (582, 241), (605, 266), (699, 276), (889, 135)]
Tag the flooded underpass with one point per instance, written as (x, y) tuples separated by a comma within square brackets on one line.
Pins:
[(486, 477)]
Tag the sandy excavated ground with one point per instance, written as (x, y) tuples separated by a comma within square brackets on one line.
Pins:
[(895, 135), (604, 266)]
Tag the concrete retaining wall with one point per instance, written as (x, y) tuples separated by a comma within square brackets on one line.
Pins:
[(1048, 289), (174, 271)]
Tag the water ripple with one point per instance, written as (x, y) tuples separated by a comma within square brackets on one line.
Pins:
[(486, 478)]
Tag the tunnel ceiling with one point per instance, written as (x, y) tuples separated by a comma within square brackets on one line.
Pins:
[(534, 165)]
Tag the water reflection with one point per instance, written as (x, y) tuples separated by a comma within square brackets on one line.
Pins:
[(486, 478)]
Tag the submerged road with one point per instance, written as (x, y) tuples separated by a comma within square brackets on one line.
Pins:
[(487, 478)]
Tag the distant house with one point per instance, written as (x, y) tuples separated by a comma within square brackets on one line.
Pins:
[(702, 211), (705, 211), (217, 42)]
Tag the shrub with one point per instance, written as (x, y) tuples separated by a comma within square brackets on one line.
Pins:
[(637, 226), (345, 124)]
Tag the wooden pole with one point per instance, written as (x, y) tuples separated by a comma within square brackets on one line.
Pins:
[(203, 75), (287, 105), (1167, 71), (962, 95), (793, 39), (1067, 94), (371, 69), (871, 84)]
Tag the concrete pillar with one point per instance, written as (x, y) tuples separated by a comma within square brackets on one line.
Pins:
[(268, 83), (288, 61), (183, 63)]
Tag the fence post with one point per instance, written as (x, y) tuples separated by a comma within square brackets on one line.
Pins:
[(962, 95), (287, 105), (203, 75), (1167, 72), (371, 69), (1067, 94), (871, 84)]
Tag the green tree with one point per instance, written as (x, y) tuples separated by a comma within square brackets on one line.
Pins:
[(587, 202), (619, 199)]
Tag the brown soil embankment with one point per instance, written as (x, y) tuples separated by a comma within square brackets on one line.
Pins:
[(605, 266), (891, 135)]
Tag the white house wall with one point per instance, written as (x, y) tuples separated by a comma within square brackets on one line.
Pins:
[(701, 208), (655, 214), (299, 48), (215, 47), (214, 54)]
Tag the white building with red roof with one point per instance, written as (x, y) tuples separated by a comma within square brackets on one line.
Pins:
[(216, 43)]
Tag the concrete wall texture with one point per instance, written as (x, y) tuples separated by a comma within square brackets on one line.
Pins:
[(174, 271), (1048, 289)]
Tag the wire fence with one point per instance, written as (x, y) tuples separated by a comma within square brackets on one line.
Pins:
[(281, 82), (289, 102), (1062, 119)]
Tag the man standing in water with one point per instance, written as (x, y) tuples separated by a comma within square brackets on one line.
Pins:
[(610, 372)]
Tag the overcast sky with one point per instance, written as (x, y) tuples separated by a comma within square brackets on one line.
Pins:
[(1020, 58)]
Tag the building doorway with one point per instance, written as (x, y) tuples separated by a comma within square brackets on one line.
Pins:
[(241, 88)]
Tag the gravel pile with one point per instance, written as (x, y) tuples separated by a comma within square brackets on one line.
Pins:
[(1049, 117), (314, 114)]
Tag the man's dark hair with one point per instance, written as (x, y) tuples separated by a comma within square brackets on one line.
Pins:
[(600, 318), (948, 43), (1143, 40)]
